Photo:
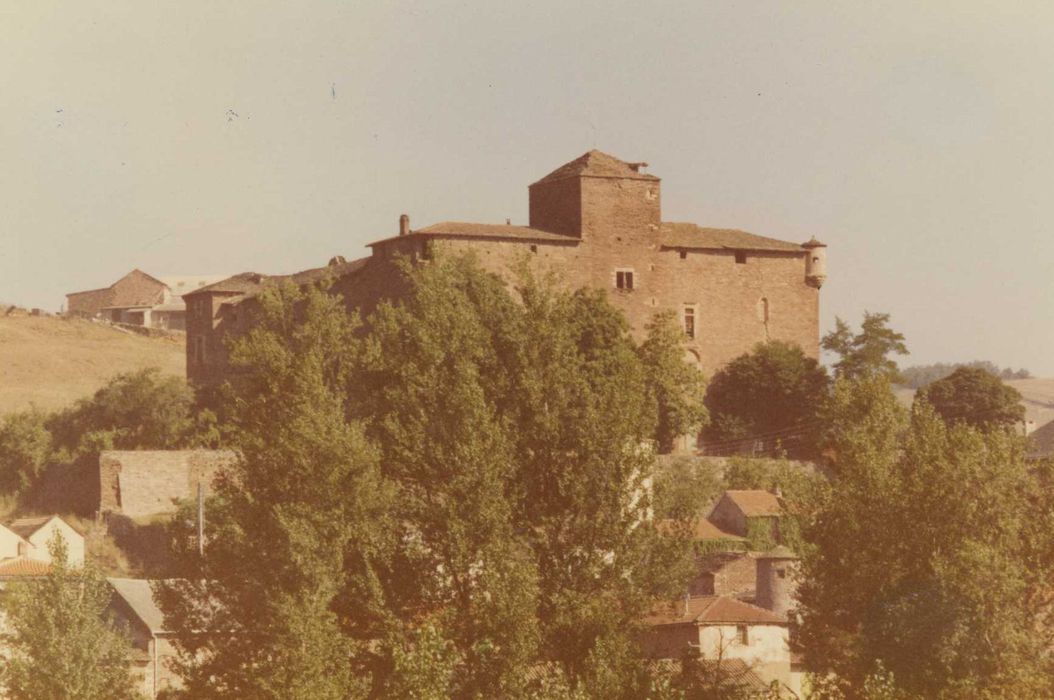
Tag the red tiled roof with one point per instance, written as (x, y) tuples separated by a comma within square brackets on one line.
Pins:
[(755, 502), (598, 164), (712, 610), (21, 567), (677, 235)]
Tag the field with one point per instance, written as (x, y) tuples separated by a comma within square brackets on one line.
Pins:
[(1037, 395), (51, 361)]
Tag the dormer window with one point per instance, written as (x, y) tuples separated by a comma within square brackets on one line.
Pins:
[(624, 280)]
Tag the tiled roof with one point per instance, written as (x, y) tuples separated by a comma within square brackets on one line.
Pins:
[(714, 562), (250, 283), (24, 527), (139, 595), (464, 229), (755, 502), (712, 610), (19, 567), (676, 235), (1041, 441), (701, 529), (598, 164)]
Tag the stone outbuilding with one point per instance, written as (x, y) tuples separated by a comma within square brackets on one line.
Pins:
[(139, 299), (739, 511), (138, 483), (134, 607)]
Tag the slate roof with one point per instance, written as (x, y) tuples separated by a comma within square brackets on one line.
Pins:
[(463, 229), (693, 236), (139, 596), (712, 610), (23, 567), (755, 502), (598, 164)]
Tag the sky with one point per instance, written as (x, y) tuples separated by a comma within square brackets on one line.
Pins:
[(192, 137)]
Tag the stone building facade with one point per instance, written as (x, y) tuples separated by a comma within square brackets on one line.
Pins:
[(139, 483), (596, 222)]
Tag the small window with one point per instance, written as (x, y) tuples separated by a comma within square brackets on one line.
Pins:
[(684, 254), (781, 573), (689, 321), (426, 250), (743, 634), (741, 257), (624, 280), (534, 248)]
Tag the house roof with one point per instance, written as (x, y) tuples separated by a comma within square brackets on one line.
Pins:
[(680, 235), (712, 610), (598, 164), (25, 527), (754, 502), (139, 596), (464, 229), (701, 530), (1041, 441), (714, 562), (23, 567), (252, 283)]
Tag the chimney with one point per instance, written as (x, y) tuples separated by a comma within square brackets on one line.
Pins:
[(404, 225)]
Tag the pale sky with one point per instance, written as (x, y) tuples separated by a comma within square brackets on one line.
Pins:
[(916, 139)]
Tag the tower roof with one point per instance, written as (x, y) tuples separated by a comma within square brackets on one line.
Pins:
[(598, 164)]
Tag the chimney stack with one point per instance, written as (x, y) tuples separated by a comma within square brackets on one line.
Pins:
[(404, 225)]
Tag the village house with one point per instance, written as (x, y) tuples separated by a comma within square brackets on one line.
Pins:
[(747, 512), (139, 299), (24, 544), (596, 222), (134, 608)]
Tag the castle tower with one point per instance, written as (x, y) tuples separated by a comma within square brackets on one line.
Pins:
[(815, 262), (777, 580), (597, 194)]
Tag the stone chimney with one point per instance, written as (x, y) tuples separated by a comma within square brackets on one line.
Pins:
[(404, 225)]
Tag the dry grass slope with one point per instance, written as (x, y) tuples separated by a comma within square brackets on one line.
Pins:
[(50, 361)]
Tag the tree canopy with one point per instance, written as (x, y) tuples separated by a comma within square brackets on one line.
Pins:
[(772, 393), (867, 352), (929, 557), (975, 397)]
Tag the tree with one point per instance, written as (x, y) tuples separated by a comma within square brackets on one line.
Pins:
[(135, 410), (975, 397), (683, 487), (284, 600), (25, 446), (773, 393), (867, 352), (928, 559), (60, 644), (679, 389)]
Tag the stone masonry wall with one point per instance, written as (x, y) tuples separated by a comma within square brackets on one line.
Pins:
[(149, 482)]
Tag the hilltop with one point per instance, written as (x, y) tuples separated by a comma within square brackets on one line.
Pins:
[(51, 361), (1037, 396)]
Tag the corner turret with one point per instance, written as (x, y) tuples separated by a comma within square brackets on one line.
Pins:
[(815, 262)]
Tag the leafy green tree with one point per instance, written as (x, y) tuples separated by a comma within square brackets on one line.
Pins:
[(867, 352), (135, 410), (59, 641), (683, 487), (25, 446), (678, 388), (929, 555), (773, 392), (975, 397), (282, 603)]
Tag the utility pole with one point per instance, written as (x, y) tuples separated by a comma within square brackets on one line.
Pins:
[(201, 520)]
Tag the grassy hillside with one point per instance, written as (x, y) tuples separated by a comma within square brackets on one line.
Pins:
[(1037, 395), (52, 361)]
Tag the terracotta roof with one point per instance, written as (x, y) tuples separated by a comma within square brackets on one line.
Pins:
[(712, 610), (138, 594), (251, 283), (702, 529), (598, 164), (462, 229), (715, 561), (23, 567), (755, 502), (675, 235)]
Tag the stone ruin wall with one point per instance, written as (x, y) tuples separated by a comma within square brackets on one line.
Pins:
[(150, 482)]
